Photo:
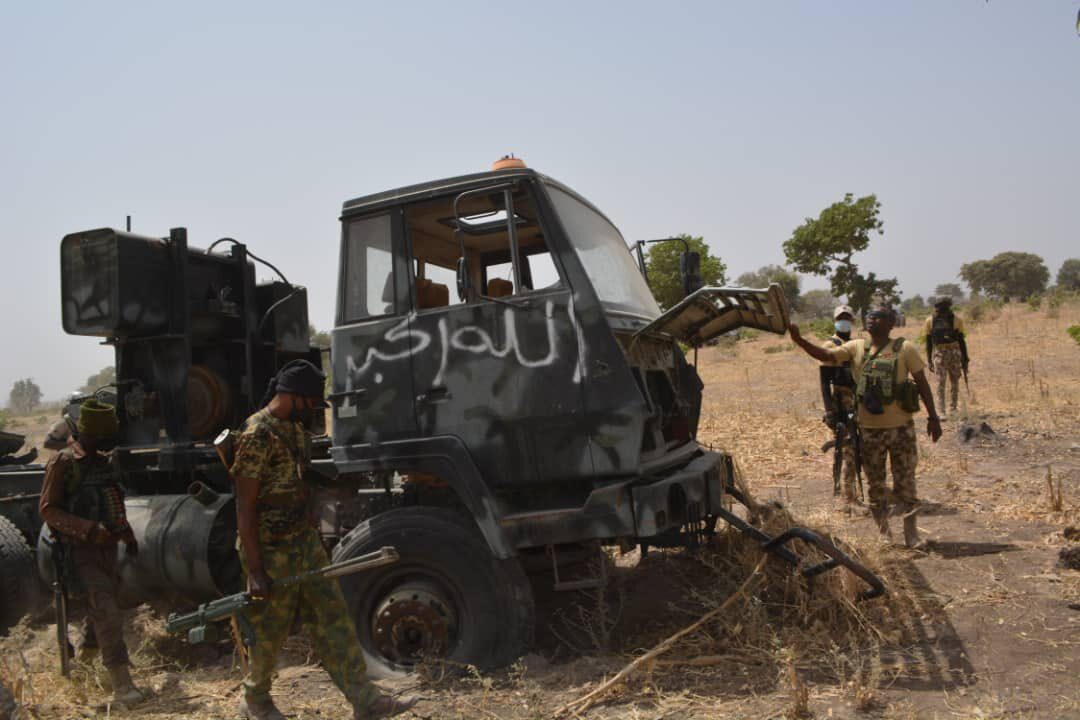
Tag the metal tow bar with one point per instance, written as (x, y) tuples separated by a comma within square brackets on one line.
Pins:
[(778, 546)]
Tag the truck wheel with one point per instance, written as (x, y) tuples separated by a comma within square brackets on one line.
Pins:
[(19, 573), (447, 596)]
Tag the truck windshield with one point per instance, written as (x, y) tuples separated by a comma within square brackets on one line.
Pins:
[(603, 252)]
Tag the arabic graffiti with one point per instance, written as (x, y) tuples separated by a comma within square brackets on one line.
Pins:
[(405, 340)]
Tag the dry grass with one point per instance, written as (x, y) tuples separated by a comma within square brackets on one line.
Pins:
[(786, 649)]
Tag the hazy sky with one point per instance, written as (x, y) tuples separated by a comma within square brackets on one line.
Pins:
[(730, 120)]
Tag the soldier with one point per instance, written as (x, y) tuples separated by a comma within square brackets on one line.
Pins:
[(886, 401), (837, 395), (946, 349), (278, 538), (83, 504)]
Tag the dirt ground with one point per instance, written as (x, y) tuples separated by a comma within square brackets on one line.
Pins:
[(985, 624)]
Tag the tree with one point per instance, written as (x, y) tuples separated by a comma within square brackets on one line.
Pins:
[(25, 396), (1068, 277), (817, 304), (762, 277), (662, 265), (319, 338), (1007, 275), (104, 376), (951, 290), (826, 246), (914, 304)]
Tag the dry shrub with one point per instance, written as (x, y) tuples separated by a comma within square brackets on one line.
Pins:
[(790, 628)]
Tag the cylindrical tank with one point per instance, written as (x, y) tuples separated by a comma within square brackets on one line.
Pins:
[(187, 548)]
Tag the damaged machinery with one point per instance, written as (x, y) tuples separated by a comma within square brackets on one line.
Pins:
[(506, 397)]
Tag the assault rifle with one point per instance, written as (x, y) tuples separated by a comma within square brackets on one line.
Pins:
[(198, 626), (58, 553), (847, 430)]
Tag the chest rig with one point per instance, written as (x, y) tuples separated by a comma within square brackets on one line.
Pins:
[(91, 491), (943, 329)]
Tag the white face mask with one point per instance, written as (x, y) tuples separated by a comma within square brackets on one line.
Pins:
[(842, 326)]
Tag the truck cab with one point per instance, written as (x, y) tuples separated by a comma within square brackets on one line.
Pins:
[(498, 353)]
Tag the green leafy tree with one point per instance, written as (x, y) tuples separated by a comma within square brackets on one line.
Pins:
[(3, 419), (1007, 275), (788, 281), (952, 290), (914, 304), (817, 304), (104, 376), (662, 265), (319, 338), (25, 396), (827, 245), (1068, 277)]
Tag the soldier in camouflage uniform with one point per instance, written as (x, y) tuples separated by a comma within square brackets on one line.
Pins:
[(946, 347), (278, 538), (837, 388), (83, 505), (886, 402)]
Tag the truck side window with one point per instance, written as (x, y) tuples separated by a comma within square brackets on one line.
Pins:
[(369, 268), (436, 250)]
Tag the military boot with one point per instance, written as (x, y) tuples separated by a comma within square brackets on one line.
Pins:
[(384, 706), (911, 528), (881, 519), (124, 691), (260, 709)]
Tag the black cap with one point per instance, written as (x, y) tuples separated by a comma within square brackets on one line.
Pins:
[(300, 377)]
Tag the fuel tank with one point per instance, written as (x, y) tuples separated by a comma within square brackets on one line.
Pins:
[(187, 548)]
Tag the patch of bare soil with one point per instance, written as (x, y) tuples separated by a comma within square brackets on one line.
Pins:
[(984, 624)]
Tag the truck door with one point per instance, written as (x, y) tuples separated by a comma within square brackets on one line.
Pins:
[(372, 347), (500, 368)]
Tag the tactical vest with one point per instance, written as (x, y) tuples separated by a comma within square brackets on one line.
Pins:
[(879, 374), (93, 493), (943, 330)]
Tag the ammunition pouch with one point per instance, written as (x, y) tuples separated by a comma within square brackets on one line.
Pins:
[(907, 395)]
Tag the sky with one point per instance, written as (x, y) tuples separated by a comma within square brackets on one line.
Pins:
[(734, 121)]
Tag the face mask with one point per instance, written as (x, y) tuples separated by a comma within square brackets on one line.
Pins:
[(842, 326)]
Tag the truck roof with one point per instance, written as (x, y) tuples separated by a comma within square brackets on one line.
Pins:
[(434, 188)]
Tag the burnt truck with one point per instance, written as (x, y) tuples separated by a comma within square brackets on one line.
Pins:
[(506, 396)]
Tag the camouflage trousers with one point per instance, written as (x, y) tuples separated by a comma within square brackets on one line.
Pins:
[(948, 365), (95, 569), (899, 445), (847, 474), (323, 612)]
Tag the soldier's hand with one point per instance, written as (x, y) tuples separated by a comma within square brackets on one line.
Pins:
[(259, 584), (829, 419), (933, 427), (793, 330)]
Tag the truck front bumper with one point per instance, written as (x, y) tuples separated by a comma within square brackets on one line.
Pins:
[(639, 508)]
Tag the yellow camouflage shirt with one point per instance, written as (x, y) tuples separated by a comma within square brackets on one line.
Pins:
[(269, 450)]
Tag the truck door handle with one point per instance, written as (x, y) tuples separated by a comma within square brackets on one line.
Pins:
[(434, 395), (337, 397)]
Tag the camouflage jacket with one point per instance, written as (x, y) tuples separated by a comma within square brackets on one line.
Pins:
[(273, 451)]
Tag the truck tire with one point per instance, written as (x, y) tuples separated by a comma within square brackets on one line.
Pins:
[(447, 596), (19, 574)]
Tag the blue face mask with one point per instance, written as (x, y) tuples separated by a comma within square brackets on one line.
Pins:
[(842, 326)]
